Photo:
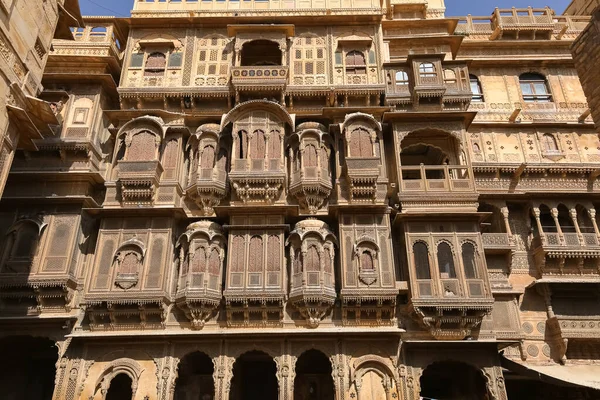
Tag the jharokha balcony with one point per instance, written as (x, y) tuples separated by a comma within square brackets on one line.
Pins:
[(566, 242), (422, 186), (261, 79)]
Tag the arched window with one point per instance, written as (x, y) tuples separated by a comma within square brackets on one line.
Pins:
[(120, 388), (366, 261), (360, 143), (427, 70), (241, 144), (449, 77), (222, 160), (476, 148), (445, 261), (549, 143), (312, 263), (142, 147), (421, 260), (468, 258), (274, 145), (155, 64), (355, 63), (255, 263), (310, 156), (26, 240), (534, 88), (207, 159), (401, 78), (257, 145), (476, 89), (199, 260)]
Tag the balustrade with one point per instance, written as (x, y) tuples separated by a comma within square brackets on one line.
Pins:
[(224, 5)]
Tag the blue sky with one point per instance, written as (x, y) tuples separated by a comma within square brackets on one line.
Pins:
[(454, 7)]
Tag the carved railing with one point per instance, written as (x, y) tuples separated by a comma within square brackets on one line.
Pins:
[(226, 5), (561, 26), (576, 327), (497, 241), (437, 179), (523, 18), (566, 239), (258, 77)]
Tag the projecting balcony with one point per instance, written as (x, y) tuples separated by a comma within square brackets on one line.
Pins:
[(522, 23), (33, 294), (312, 186), (208, 187), (576, 327), (139, 180), (271, 78), (567, 241)]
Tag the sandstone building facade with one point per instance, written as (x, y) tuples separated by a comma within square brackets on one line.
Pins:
[(306, 199), (27, 28)]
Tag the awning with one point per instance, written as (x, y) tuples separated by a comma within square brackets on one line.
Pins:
[(564, 375), (69, 15), (32, 117)]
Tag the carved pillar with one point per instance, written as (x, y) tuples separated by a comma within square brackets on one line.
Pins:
[(286, 384), (495, 383), (573, 214), (504, 211), (536, 214), (338, 373), (413, 383), (554, 213), (223, 384), (592, 215)]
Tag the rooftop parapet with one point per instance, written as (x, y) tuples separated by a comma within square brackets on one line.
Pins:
[(522, 21), (142, 8)]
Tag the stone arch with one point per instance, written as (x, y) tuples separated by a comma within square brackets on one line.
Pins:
[(453, 379), (373, 377), (255, 375), (246, 107), (431, 147), (195, 374), (28, 367), (126, 366), (313, 376), (23, 238)]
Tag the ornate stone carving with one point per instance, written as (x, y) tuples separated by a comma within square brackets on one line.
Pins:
[(312, 253)]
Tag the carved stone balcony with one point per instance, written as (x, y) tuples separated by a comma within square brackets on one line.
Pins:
[(139, 181), (147, 312), (22, 293), (518, 21), (261, 79), (568, 256), (257, 180), (311, 186), (451, 319), (209, 187), (363, 175), (199, 303), (424, 186), (497, 243), (313, 277), (575, 327)]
